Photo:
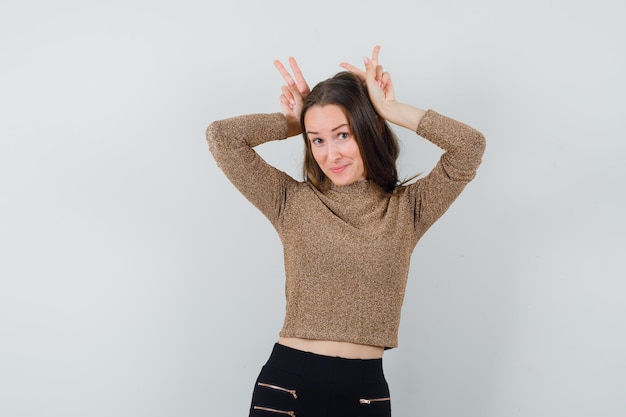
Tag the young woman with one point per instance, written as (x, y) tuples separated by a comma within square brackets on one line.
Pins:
[(348, 230)]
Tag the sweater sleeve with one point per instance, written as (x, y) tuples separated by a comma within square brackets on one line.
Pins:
[(231, 142), (464, 148)]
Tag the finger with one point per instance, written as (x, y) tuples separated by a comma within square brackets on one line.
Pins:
[(286, 103), (386, 78), (283, 71), (293, 90), (292, 95), (303, 87), (286, 92), (379, 72), (375, 53), (370, 70), (355, 70), (283, 101)]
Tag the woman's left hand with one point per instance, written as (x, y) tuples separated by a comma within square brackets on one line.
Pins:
[(377, 80), (382, 95)]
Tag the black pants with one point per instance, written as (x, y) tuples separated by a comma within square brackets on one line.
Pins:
[(302, 384)]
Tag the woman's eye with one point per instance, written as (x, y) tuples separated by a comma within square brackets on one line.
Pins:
[(343, 136), (316, 141)]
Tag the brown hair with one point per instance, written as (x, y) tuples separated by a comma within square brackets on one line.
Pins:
[(377, 143)]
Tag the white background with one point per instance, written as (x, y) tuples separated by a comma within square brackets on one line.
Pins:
[(135, 281)]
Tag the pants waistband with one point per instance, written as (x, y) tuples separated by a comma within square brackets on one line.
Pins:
[(326, 368)]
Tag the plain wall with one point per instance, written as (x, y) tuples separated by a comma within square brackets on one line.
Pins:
[(136, 281)]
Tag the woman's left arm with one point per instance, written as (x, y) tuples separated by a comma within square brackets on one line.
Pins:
[(463, 145), (382, 95)]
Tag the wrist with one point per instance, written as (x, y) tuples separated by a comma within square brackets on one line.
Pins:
[(403, 115), (293, 128)]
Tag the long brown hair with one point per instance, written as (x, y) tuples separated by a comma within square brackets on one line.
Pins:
[(377, 143)]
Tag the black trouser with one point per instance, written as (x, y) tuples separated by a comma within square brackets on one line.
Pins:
[(303, 384)]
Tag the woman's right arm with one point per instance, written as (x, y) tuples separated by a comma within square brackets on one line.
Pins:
[(231, 142)]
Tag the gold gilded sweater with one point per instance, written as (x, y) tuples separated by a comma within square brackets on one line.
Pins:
[(346, 250)]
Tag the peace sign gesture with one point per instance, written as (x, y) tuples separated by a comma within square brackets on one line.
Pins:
[(293, 94), (382, 95), (378, 82)]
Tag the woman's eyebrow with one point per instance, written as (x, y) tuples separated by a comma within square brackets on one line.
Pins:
[(310, 132)]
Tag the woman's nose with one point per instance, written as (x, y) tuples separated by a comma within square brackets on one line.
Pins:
[(334, 152)]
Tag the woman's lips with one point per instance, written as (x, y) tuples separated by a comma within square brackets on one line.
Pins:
[(338, 170)]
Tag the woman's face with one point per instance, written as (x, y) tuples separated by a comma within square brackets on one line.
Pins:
[(333, 146)]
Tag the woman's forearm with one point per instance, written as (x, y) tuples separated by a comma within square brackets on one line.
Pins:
[(402, 114)]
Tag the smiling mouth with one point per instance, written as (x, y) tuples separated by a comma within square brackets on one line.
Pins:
[(338, 170)]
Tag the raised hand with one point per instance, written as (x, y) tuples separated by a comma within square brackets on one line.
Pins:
[(382, 95), (292, 94), (378, 81)]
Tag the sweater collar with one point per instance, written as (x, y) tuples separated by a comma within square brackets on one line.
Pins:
[(357, 187)]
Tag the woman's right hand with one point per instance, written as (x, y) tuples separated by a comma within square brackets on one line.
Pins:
[(292, 95)]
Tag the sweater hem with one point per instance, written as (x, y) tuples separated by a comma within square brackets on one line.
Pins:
[(386, 343)]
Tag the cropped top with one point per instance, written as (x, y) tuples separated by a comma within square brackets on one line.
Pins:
[(346, 249)]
